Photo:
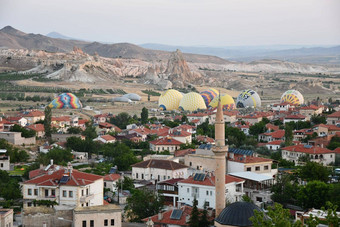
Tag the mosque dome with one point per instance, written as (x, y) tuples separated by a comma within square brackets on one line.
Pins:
[(208, 95), (248, 98), (292, 97), (133, 97), (66, 100), (237, 214), (169, 100), (191, 102), (226, 100)]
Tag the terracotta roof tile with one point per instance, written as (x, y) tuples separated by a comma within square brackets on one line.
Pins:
[(309, 150), (111, 177), (160, 164), (210, 181), (166, 141), (77, 178)]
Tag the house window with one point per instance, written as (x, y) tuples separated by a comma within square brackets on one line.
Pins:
[(70, 194), (159, 177), (257, 168), (136, 175), (106, 222), (248, 168), (64, 193), (105, 184), (87, 191), (331, 156), (46, 192), (142, 176), (190, 163), (53, 192), (84, 223), (210, 192), (82, 192), (164, 177), (91, 223), (265, 167), (29, 191), (87, 204), (206, 203), (2, 165), (29, 204), (207, 192), (112, 221), (188, 190), (35, 191)]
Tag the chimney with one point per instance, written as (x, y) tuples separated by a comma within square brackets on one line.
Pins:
[(322, 145), (51, 162), (69, 168), (187, 218), (41, 166), (160, 216)]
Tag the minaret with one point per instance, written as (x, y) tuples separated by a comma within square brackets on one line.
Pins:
[(220, 151)]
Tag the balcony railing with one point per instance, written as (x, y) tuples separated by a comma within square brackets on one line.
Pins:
[(86, 198)]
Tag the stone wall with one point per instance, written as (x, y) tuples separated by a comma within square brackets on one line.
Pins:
[(38, 216)]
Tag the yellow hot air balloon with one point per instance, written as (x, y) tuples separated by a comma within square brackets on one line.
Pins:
[(169, 100), (191, 102), (226, 100)]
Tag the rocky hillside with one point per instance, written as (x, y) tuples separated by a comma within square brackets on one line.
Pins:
[(11, 38)]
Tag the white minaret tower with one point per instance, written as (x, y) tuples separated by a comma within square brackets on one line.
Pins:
[(220, 151)]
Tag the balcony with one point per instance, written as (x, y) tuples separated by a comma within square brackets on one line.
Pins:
[(50, 198), (86, 198)]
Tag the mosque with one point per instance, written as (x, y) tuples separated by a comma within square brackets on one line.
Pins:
[(238, 213)]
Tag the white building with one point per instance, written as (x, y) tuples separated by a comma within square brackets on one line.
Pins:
[(316, 154), (67, 187), (110, 181), (5, 162), (6, 217), (202, 187), (294, 117), (156, 169)]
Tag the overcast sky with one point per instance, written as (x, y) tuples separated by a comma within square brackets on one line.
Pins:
[(180, 22)]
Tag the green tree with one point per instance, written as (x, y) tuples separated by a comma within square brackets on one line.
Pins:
[(288, 135), (203, 220), (234, 136), (142, 204), (9, 187), (318, 119), (127, 184), (144, 116), (74, 130), (59, 156), (314, 171), (284, 191), (259, 127), (90, 131), (314, 194), (194, 220), (121, 120), (278, 216), (47, 123), (334, 143), (24, 132)]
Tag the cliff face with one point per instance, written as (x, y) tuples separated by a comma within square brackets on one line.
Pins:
[(178, 71)]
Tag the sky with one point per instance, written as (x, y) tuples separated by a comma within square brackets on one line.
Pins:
[(180, 22)]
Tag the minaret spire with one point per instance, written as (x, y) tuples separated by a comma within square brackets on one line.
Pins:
[(220, 151)]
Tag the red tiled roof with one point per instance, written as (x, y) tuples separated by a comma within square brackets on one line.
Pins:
[(82, 121), (108, 137), (195, 120), (295, 116), (166, 141), (160, 164), (35, 113), (312, 150), (311, 107), (176, 133), (166, 220), (204, 139), (106, 125), (111, 177), (276, 142), (36, 127), (13, 118), (277, 134), (335, 114), (143, 131), (210, 181), (182, 153), (272, 127), (61, 118), (77, 179), (250, 159), (171, 181)]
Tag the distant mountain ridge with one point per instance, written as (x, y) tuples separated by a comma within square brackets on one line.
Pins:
[(11, 38), (57, 35)]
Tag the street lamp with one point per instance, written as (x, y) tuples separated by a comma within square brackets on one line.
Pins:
[(63, 219)]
